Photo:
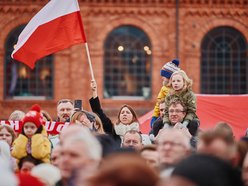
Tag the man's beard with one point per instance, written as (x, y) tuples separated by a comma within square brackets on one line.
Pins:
[(64, 117)]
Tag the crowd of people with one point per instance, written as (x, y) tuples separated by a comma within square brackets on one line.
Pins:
[(94, 150)]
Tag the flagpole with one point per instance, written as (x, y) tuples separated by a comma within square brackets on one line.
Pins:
[(89, 61)]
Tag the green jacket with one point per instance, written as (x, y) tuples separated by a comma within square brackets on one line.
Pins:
[(189, 99)]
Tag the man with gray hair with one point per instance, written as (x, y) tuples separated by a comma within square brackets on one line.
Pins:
[(173, 145), (80, 156), (132, 139)]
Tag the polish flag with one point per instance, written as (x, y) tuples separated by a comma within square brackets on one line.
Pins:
[(56, 26)]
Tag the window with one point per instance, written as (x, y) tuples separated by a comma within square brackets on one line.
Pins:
[(224, 62), (20, 82), (127, 63)]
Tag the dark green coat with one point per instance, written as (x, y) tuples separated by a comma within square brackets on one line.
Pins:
[(188, 98)]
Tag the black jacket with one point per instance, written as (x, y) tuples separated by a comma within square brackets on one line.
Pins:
[(108, 126), (157, 125)]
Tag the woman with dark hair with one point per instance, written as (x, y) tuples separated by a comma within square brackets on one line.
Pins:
[(126, 119), (26, 164)]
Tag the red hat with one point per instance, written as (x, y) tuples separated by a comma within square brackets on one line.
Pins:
[(33, 116), (27, 179)]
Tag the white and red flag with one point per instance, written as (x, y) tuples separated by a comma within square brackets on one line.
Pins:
[(56, 26)]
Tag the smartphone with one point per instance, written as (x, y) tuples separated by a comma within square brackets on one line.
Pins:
[(78, 104)]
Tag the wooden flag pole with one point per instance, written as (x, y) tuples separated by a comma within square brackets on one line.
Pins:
[(89, 61)]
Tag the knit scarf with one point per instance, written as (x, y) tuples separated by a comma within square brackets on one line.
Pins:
[(121, 129)]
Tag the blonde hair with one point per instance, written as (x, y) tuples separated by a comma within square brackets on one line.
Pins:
[(187, 82), (17, 115), (76, 115), (98, 123), (10, 130)]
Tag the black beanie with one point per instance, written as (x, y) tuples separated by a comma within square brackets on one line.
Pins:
[(109, 146), (206, 170)]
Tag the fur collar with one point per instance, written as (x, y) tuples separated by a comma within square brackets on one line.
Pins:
[(121, 129)]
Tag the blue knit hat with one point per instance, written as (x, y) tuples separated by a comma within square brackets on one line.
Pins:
[(170, 67)]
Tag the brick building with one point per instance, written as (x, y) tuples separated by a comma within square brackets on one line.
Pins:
[(129, 41)]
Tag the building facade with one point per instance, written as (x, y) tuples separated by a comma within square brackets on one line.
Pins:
[(129, 41)]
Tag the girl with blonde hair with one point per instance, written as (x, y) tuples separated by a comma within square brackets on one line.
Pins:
[(7, 134), (181, 88)]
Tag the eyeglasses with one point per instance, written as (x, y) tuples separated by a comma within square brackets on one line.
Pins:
[(177, 111), (64, 101)]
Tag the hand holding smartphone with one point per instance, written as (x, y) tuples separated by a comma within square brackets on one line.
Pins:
[(77, 104)]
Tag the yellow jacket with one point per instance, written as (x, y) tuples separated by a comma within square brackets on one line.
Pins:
[(162, 94), (40, 147), (19, 147)]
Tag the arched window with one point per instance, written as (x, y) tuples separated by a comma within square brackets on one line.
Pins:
[(20, 81), (127, 63), (224, 62)]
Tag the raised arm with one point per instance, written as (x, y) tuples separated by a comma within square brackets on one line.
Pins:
[(96, 108), (93, 86)]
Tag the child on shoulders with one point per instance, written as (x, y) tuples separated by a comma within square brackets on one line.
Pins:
[(33, 139), (180, 87), (166, 73)]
